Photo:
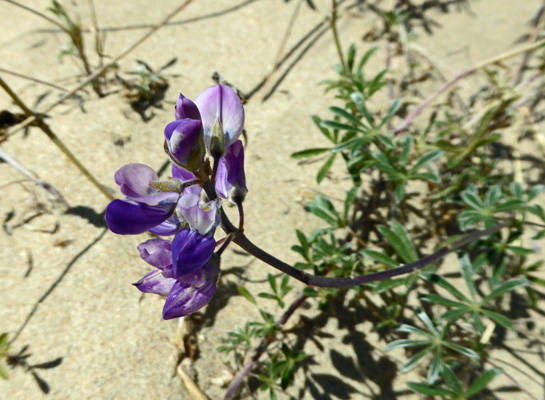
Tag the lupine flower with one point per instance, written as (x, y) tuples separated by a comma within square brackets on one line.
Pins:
[(185, 142), (190, 251), (144, 207), (230, 178), (220, 105), (189, 292), (186, 270), (201, 214)]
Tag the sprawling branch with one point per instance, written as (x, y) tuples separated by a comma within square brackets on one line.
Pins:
[(322, 281)]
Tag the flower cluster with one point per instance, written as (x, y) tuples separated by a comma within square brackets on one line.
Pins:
[(186, 269)]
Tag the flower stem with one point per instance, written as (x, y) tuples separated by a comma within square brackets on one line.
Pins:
[(226, 241), (240, 217)]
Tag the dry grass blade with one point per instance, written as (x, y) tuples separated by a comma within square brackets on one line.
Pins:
[(100, 71)]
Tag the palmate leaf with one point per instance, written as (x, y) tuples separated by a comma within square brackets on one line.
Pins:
[(400, 240), (425, 159), (323, 208), (389, 284), (482, 381), (451, 380), (396, 344), (391, 111), (462, 350), (245, 293), (325, 168), (430, 390), (349, 201), (310, 152), (438, 280), (341, 112), (436, 366), (381, 258), (473, 200), (340, 126), (359, 101), (467, 273), (318, 122), (441, 301), (411, 362), (506, 287), (411, 329), (499, 319)]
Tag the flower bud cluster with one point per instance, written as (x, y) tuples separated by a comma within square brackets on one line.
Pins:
[(185, 269)]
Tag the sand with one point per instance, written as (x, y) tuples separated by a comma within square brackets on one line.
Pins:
[(77, 302)]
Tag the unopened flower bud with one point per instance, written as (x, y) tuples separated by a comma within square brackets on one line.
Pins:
[(217, 141), (185, 143), (185, 108), (230, 178)]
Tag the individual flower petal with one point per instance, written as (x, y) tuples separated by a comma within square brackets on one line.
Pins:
[(185, 108), (129, 217), (185, 299), (134, 180), (167, 228), (182, 174), (190, 251), (206, 272), (221, 103), (155, 282), (231, 171), (185, 142), (200, 215), (156, 252)]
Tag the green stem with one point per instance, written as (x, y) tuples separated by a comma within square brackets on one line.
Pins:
[(333, 23)]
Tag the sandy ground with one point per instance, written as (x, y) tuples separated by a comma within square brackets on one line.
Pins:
[(77, 302)]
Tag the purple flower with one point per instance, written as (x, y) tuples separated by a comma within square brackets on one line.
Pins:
[(185, 142), (158, 253), (182, 174), (201, 215), (230, 179), (189, 292), (185, 299), (190, 251), (185, 108), (221, 104), (144, 207)]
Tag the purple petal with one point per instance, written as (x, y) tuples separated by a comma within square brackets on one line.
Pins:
[(156, 252), (190, 251), (200, 216), (134, 180), (206, 272), (221, 102), (157, 198), (170, 227), (185, 108), (127, 217), (155, 282), (185, 299), (185, 142), (231, 171), (182, 174)]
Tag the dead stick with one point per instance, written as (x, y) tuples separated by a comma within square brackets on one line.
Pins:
[(55, 139), (237, 382), (409, 119), (100, 71)]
